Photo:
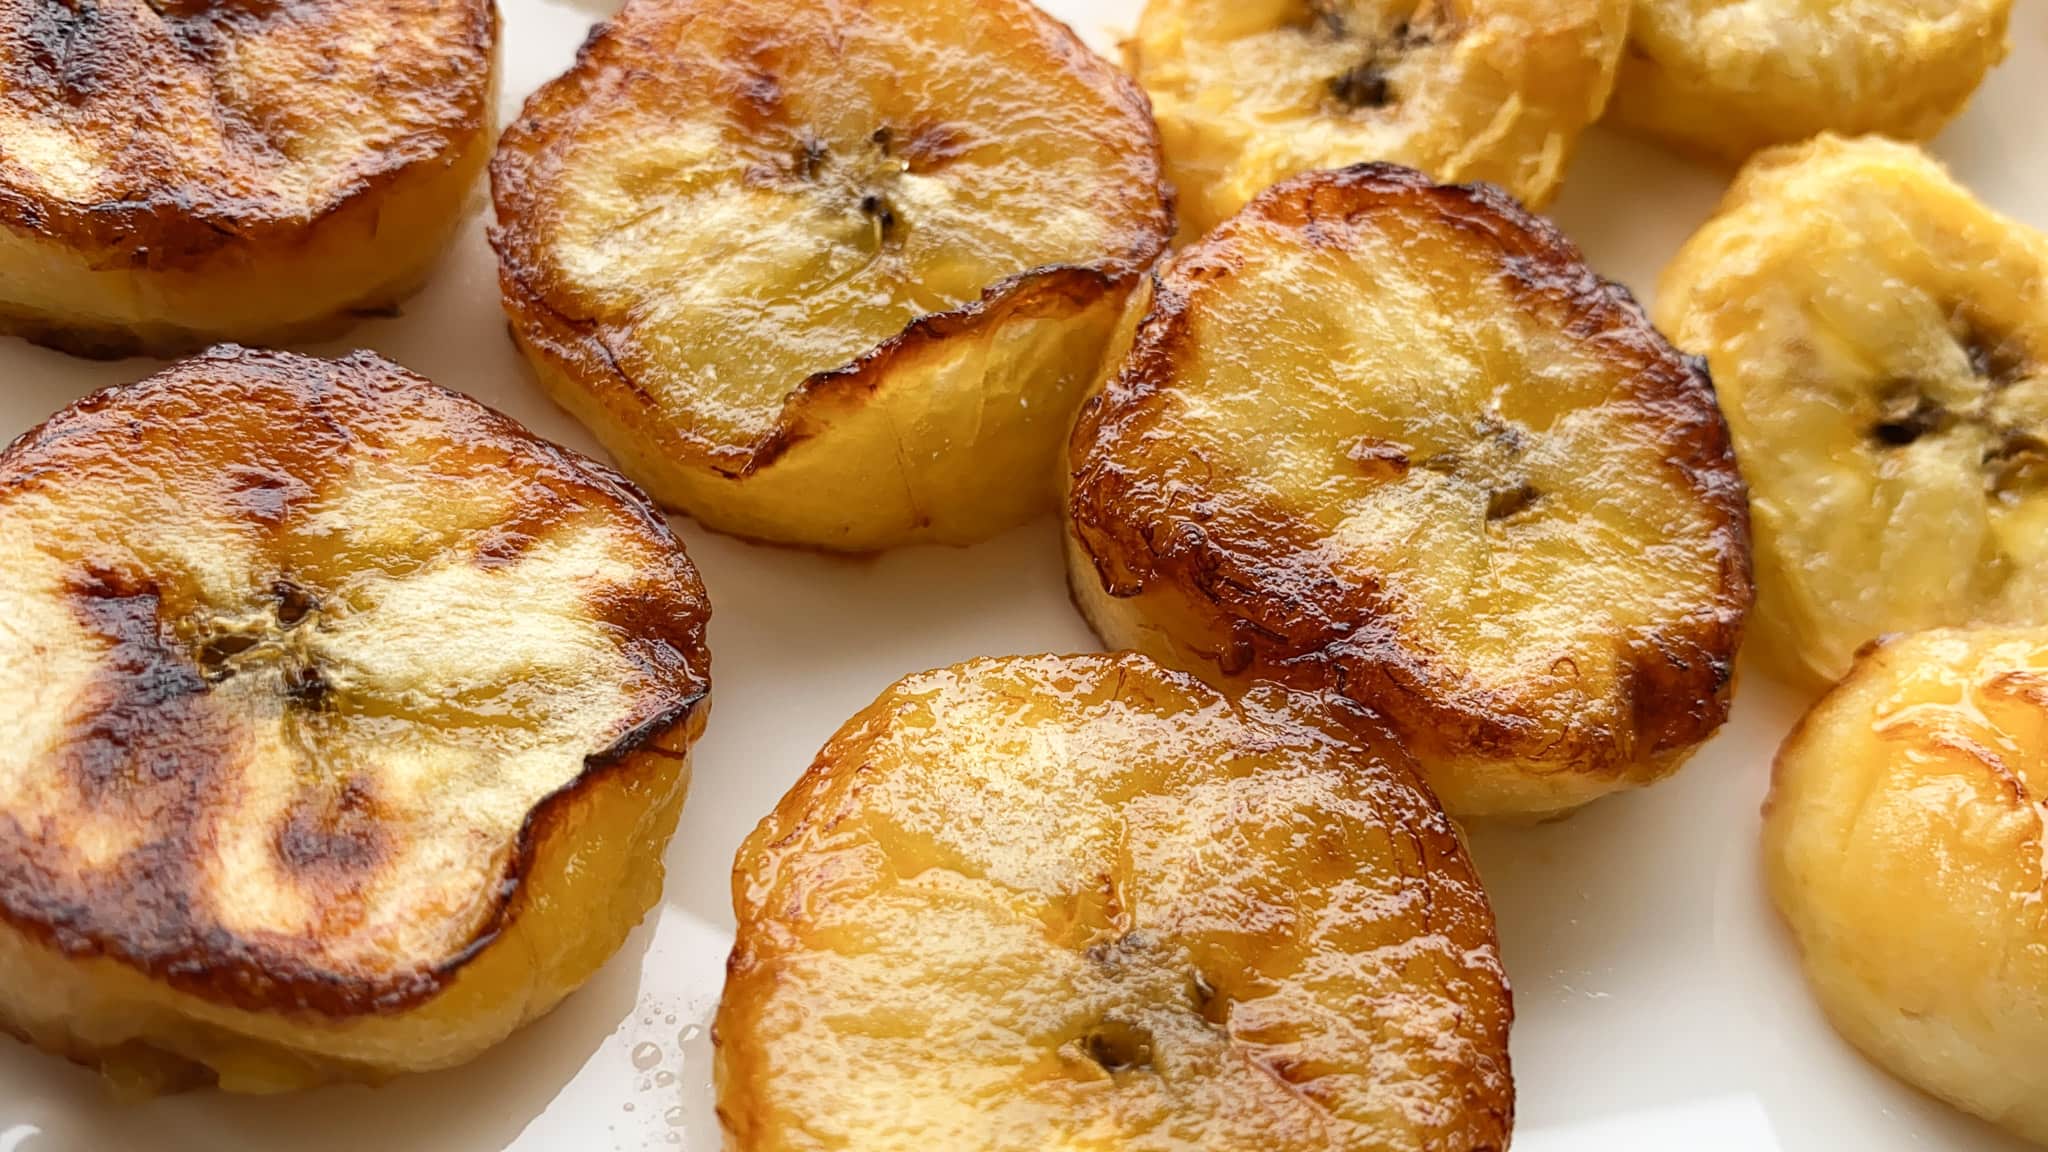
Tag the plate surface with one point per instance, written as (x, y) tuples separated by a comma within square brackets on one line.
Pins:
[(1660, 1005)]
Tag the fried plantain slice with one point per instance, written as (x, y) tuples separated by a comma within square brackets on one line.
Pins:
[(1906, 843), (1085, 902), (829, 274), (1395, 441), (1880, 341), (1249, 92), (1723, 80), (342, 723), (178, 172)]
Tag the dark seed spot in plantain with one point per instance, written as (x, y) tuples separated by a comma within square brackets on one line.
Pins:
[(1118, 1047), (1364, 86)]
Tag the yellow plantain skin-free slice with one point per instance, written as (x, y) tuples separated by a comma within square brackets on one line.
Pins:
[(829, 274), (1250, 92), (1088, 903), (1722, 80), (342, 724), (1905, 841), (1879, 339)]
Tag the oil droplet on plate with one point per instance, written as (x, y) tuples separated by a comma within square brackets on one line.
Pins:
[(691, 1033), (664, 1078), (676, 1117), (646, 1055), (629, 1105), (671, 1018)]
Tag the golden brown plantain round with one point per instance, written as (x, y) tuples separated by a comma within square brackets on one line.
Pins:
[(829, 274), (1394, 440), (178, 172), (1721, 80), (1880, 341), (1906, 842), (1250, 92), (1088, 903), (342, 723)]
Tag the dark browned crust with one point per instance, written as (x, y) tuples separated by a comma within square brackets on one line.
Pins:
[(1233, 562), (577, 345), (91, 63), (148, 918)]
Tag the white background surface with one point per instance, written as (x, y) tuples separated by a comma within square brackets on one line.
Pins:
[(1660, 1007)]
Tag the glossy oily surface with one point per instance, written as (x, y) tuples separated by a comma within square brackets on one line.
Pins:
[(1659, 1002), (1723, 80), (885, 185), (305, 661), (157, 156), (1250, 93), (1880, 342), (1906, 841), (1087, 903), (1395, 440)]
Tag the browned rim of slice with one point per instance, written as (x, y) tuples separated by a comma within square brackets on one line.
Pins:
[(152, 915), (533, 288), (96, 70), (1243, 573)]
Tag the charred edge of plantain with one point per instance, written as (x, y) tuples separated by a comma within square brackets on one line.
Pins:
[(164, 937), (578, 345), (177, 227), (1276, 616)]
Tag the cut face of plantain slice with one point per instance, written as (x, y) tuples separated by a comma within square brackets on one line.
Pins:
[(1249, 92), (829, 274), (1394, 440), (1906, 843), (1879, 341), (177, 172), (1722, 80), (342, 723), (1034, 903)]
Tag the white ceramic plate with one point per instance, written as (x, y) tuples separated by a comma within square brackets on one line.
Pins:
[(1660, 1005)]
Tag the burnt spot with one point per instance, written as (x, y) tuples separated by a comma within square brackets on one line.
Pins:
[(73, 50), (330, 837), (133, 724)]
